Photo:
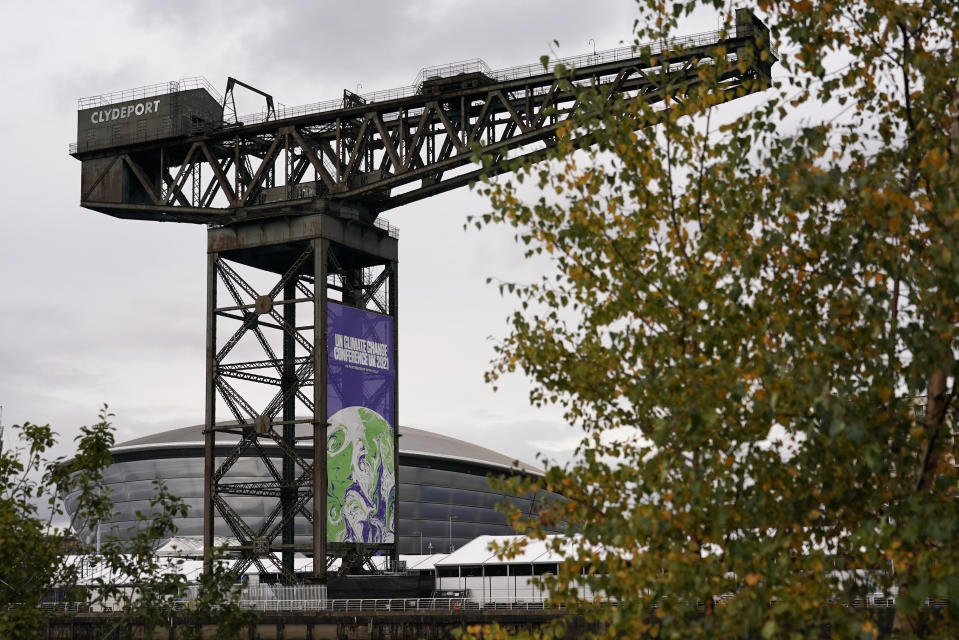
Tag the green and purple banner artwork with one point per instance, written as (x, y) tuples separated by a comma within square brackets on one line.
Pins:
[(361, 462)]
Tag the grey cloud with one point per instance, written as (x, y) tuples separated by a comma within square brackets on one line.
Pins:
[(94, 309)]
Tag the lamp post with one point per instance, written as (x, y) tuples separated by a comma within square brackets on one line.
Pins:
[(451, 534)]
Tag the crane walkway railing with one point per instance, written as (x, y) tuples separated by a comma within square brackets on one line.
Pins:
[(452, 69), (446, 70), (149, 91)]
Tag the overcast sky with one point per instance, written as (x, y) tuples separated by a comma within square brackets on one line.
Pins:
[(95, 309)]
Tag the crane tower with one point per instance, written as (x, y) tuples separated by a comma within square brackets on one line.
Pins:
[(302, 289)]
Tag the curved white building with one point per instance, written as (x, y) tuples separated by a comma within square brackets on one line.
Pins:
[(445, 498)]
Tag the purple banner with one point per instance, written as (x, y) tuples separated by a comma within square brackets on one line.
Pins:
[(361, 462)]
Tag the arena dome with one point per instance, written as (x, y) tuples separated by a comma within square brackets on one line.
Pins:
[(445, 497)]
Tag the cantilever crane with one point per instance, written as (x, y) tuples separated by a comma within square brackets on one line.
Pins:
[(296, 193)]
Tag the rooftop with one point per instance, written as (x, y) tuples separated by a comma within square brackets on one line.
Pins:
[(413, 442)]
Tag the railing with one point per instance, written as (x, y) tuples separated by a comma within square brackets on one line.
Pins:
[(345, 605), (414, 605), (427, 73), (395, 604), (440, 71), (384, 224), (611, 55), (501, 75), (149, 91), (450, 69), (64, 607)]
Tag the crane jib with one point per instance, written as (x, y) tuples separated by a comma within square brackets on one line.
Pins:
[(179, 154)]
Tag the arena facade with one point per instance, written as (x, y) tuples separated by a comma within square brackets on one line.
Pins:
[(445, 497)]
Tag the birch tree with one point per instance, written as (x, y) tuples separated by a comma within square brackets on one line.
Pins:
[(754, 327)]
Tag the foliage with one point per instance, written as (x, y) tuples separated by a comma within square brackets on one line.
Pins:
[(740, 321), (32, 554), (217, 602), (30, 560)]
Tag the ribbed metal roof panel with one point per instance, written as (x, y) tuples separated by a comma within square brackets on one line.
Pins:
[(413, 442)]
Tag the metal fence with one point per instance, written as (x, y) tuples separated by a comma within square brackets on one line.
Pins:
[(402, 604), (249, 600), (392, 604), (256, 593)]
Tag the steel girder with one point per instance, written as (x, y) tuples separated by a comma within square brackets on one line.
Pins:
[(265, 395)]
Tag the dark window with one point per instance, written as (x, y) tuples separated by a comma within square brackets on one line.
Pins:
[(447, 572), (436, 495), (429, 529), (411, 510), (429, 511), (412, 475), (540, 569), (495, 570), (471, 570), (521, 569)]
